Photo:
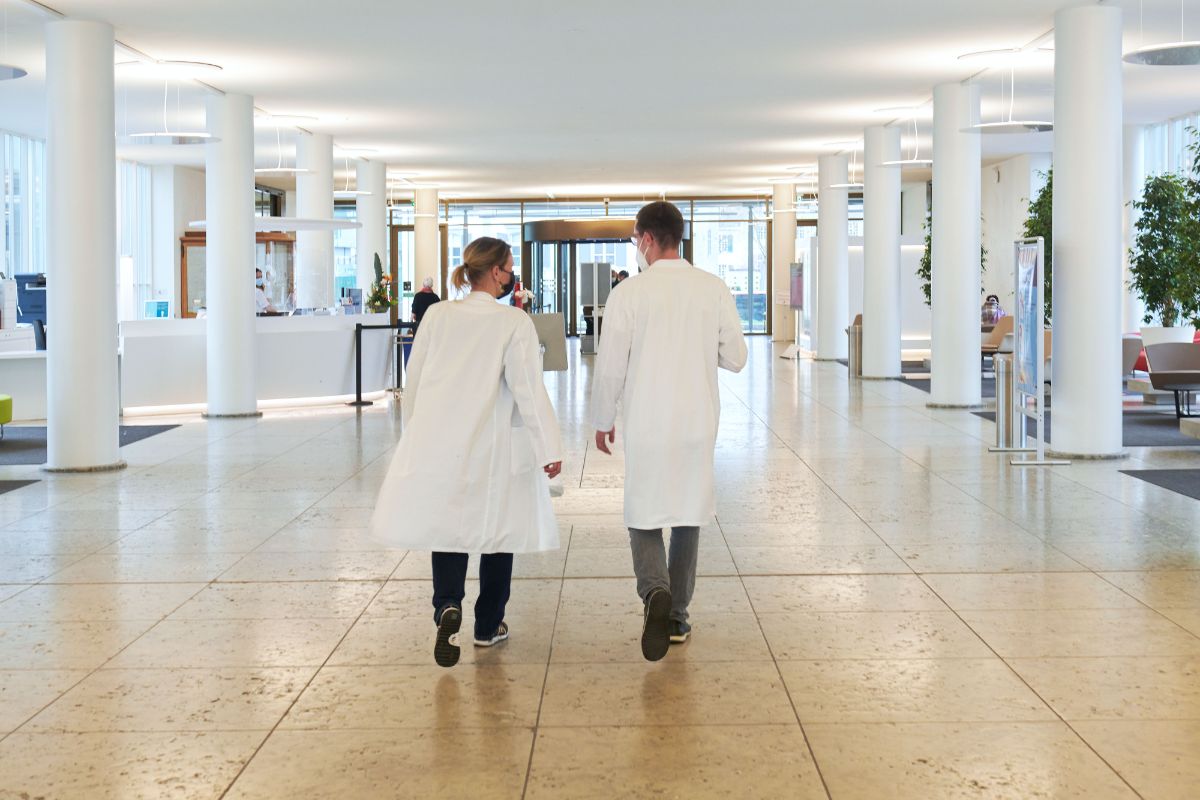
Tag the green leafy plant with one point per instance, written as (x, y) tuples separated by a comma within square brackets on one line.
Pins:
[(1163, 259), (380, 299), (925, 269), (1040, 222)]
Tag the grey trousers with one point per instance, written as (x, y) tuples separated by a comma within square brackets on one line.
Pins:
[(654, 572)]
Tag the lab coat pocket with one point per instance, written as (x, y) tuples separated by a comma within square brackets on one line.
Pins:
[(523, 457)]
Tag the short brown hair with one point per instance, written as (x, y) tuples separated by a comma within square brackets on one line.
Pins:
[(663, 221), (478, 259)]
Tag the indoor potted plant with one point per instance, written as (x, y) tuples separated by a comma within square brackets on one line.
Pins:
[(1163, 259), (380, 298)]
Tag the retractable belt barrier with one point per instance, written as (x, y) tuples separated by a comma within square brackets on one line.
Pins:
[(358, 331)]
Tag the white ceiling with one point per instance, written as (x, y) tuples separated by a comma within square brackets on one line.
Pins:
[(626, 97)]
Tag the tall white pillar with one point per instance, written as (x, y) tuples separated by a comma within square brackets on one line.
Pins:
[(229, 256), (881, 254), (1134, 179), (314, 200), (833, 260), (783, 253), (82, 403), (1087, 231), (425, 240), (955, 282), (372, 215)]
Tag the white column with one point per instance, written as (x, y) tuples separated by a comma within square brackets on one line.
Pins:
[(314, 200), (955, 282), (881, 254), (783, 253), (372, 215), (82, 403), (1087, 231), (1134, 178), (229, 256), (833, 262), (425, 240)]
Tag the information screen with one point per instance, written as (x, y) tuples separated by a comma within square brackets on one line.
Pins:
[(1028, 322)]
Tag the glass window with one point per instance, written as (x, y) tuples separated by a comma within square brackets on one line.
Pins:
[(468, 221), (345, 250), (135, 276), (1166, 145), (23, 203), (729, 239)]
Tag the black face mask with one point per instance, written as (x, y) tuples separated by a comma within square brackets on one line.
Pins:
[(508, 287)]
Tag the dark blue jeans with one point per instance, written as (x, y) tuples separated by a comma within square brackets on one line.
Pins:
[(495, 583)]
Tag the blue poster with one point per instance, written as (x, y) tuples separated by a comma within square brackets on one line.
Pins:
[(1028, 322)]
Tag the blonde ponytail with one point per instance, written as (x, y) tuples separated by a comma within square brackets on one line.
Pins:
[(478, 259)]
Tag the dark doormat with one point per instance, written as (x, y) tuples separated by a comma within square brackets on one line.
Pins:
[(8, 486), (1139, 429), (987, 386), (906, 367), (27, 445), (1181, 481)]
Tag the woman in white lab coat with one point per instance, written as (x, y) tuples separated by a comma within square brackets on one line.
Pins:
[(480, 442)]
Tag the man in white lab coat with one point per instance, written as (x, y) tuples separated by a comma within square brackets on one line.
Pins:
[(666, 331)]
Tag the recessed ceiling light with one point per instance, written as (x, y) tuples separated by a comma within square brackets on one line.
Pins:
[(283, 171), (1011, 126), (10, 73), (165, 138), (285, 119), (847, 186), (1008, 56), (908, 162)]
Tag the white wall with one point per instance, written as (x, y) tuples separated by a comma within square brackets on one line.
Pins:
[(914, 205), (915, 320), (1007, 188), (178, 198)]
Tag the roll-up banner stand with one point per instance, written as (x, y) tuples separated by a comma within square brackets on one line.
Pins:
[(1029, 349)]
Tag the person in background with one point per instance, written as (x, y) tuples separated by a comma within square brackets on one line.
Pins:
[(262, 303), (991, 313), (480, 443), (666, 332), (423, 299)]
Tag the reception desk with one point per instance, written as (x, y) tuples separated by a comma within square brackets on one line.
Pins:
[(163, 364)]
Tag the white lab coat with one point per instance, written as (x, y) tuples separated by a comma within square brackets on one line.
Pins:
[(467, 476), (665, 333)]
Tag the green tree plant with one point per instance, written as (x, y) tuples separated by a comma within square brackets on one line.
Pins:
[(1040, 222), (925, 269), (1163, 259)]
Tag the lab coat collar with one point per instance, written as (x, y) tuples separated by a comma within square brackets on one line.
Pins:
[(670, 263), (481, 296)]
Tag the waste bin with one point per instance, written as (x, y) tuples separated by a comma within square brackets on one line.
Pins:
[(854, 334), (1010, 428)]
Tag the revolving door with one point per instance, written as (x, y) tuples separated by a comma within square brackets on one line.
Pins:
[(554, 252)]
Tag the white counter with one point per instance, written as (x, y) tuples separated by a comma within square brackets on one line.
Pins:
[(164, 363)]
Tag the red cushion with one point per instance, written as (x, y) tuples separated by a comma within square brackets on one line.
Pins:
[(1142, 366)]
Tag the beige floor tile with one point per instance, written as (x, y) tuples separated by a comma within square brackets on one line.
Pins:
[(97, 601), (334, 566), (1032, 556), (11, 589), (1103, 632), (607, 597), (400, 641), (1160, 589), (1029, 591), (110, 519), (678, 693), (1116, 687), (825, 560), (31, 569), (53, 542), (143, 568), (913, 690), (529, 597), (583, 638), (388, 763), (25, 692), (993, 760), (421, 697), (122, 766), (234, 643), (617, 562), (321, 540), (787, 534), (1157, 758), (200, 541), (870, 635), (693, 762), (200, 700), (1146, 555), (65, 645), (285, 600), (1188, 618), (802, 593)]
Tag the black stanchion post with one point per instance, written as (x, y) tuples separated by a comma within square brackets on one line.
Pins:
[(358, 401)]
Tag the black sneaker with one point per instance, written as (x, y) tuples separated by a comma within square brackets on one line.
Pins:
[(496, 638), (445, 650), (680, 631), (656, 634)]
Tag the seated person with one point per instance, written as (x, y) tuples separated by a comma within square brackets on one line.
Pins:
[(262, 303)]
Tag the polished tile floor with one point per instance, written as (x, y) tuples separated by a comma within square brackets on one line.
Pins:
[(886, 610)]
